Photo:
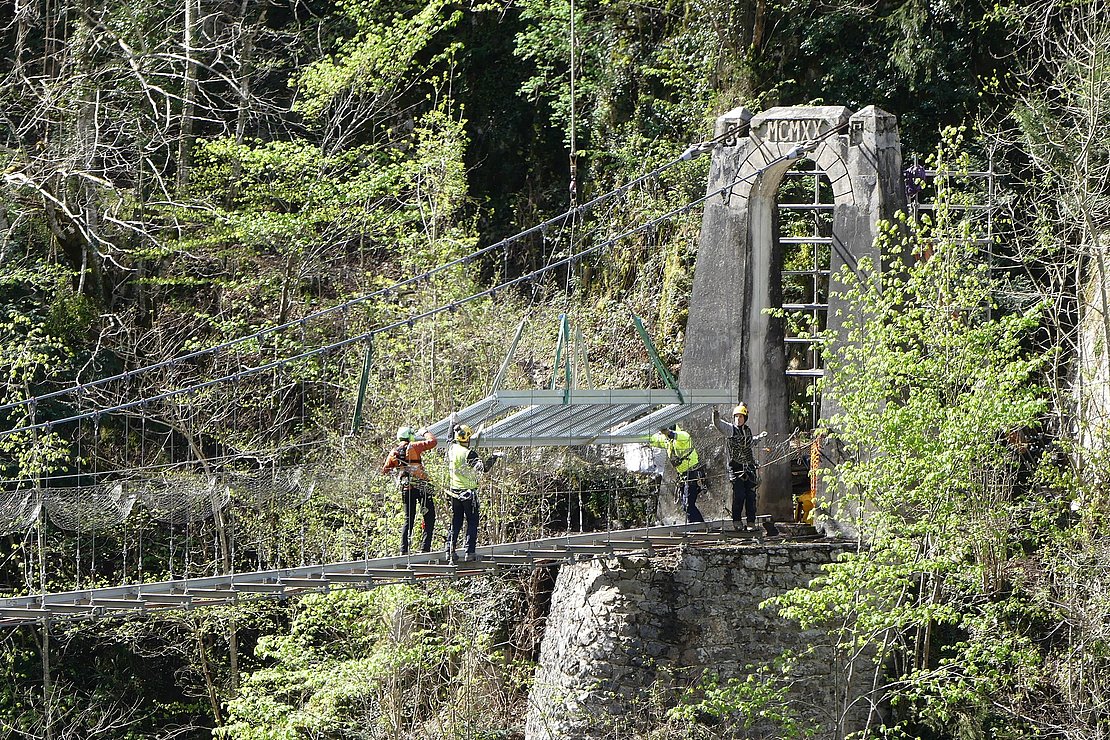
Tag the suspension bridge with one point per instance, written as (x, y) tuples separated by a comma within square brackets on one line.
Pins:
[(187, 593), (570, 416)]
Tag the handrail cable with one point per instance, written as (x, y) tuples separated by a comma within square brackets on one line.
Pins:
[(795, 152), (691, 152)]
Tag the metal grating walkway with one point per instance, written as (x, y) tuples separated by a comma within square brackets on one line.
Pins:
[(579, 416), (228, 589)]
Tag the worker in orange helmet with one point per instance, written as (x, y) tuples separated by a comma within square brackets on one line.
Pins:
[(741, 462), (407, 466)]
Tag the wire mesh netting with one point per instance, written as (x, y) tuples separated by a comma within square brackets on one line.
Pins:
[(270, 489), (18, 510), (175, 498), (88, 508), (179, 498)]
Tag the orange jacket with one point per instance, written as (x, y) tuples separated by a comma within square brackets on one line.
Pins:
[(405, 458)]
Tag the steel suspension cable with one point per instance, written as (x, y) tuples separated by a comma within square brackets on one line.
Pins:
[(691, 152), (795, 153)]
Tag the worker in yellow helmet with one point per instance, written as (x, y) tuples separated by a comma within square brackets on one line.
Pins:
[(463, 467), (681, 453), (741, 462)]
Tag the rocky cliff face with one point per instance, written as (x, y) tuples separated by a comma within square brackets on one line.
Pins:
[(626, 635)]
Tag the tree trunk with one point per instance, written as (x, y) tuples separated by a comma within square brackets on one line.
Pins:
[(188, 97), (759, 25), (244, 89)]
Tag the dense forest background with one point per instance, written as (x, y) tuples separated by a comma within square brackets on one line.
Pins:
[(183, 176)]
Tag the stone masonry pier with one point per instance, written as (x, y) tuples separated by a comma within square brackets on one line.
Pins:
[(625, 634)]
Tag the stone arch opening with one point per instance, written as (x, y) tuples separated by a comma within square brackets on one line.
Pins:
[(732, 339), (804, 221)]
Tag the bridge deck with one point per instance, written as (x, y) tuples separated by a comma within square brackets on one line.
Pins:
[(560, 418), (226, 589)]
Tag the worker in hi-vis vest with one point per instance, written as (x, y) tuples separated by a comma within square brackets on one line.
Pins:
[(463, 467), (406, 463), (680, 451)]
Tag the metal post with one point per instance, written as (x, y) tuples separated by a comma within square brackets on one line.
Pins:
[(356, 420), (664, 373)]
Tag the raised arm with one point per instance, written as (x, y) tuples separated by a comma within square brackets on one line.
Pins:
[(722, 426), (390, 463), (429, 442)]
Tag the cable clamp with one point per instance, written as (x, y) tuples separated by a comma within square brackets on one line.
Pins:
[(696, 150), (800, 150)]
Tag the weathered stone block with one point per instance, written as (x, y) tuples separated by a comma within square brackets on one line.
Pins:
[(673, 629)]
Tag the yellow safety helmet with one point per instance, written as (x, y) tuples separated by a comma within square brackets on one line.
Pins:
[(405, 434), (463, 433), (741, 409)]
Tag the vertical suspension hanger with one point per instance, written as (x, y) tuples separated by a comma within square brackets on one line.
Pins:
[(190, 510), (92, 497), (142, 466), (122, 456), (41, 521), (573, 121), (164, 487), (75, 493), (571, 361)]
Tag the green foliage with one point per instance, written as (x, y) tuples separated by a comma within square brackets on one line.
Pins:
[(388, 51), (373, 664), (759, 705), (43, 325), (337, 147), (931, 381)]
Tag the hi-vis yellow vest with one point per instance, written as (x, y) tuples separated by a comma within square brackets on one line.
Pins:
[(461, 474), (680, 450)]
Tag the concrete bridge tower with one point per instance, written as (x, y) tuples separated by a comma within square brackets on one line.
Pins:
[(731, 339)]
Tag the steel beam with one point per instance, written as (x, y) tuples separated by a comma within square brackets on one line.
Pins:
[(225, 589)]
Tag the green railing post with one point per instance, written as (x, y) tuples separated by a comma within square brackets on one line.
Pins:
[(356, 420)]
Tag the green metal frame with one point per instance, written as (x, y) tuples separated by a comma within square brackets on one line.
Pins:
[(356, 419), (563, 355), (653, 353)]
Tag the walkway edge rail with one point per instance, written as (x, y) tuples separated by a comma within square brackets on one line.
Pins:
[(226, 589)]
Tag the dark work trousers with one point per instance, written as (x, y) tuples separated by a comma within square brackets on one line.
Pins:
[(689, 485), (743, 495), (465, 507), (417, 499)]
